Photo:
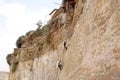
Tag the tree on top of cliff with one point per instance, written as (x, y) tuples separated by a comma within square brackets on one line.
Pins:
[(39, 23)]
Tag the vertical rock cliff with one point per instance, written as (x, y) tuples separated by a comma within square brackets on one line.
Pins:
[(82, 42)]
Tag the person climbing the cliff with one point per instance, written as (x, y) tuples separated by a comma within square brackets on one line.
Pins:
[(59, 65), (65, 45)]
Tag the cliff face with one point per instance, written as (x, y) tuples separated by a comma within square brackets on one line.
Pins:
[(86, 47), (4, 76)]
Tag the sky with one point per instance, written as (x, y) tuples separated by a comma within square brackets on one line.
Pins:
[(18, 17)]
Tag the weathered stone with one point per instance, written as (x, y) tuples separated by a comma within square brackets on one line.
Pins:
[(93, 46)]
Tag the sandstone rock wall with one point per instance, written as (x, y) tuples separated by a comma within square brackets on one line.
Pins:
[(93, 50)]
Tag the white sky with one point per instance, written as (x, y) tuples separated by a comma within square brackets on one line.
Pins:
[(18, 17)]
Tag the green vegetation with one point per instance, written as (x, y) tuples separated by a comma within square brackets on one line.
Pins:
[(19, 41), (8, 58), (43, 30), (39, 32), (14, 66)]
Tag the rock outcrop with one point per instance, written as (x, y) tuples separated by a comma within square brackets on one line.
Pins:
[(4, 75), (82, 43)]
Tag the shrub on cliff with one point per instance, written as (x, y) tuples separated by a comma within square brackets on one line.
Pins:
[(19, 41), (43, 30), (8, 58)]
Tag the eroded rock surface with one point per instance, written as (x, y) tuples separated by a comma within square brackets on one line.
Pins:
[(88, 48)]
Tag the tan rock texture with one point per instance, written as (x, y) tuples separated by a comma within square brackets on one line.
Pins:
[(88, 49), (4, 75)]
